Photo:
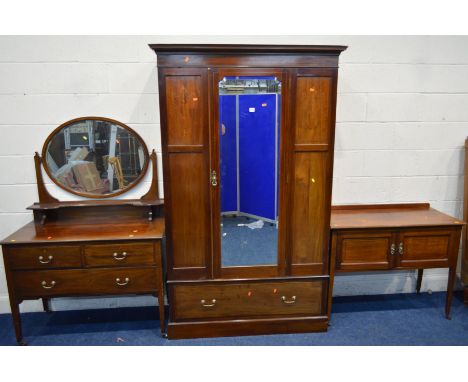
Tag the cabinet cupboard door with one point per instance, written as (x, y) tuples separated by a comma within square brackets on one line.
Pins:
[(313, 125), (184, 126), (426, 248), (365, 251)]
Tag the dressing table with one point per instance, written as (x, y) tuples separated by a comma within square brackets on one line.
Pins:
[(95, 246)]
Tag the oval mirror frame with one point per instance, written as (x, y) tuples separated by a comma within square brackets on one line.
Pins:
[(91, 195)]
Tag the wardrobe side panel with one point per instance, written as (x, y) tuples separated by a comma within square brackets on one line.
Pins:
[(313, 120), (184, 122)]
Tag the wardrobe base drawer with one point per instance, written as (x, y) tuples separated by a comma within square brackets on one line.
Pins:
[(30, 284), (248, 299)]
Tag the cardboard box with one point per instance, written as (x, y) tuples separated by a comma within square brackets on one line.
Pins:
[(87, 176), (67, 179)]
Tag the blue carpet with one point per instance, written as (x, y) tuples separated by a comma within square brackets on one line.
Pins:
[(245, 246), (403, 319)]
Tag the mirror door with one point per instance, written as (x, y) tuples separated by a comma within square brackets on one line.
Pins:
[(248, 128)]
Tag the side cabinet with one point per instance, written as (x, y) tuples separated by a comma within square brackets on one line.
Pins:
[(376, 237), (410, 248)]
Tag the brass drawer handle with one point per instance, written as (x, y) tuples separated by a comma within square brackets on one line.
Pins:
[(392, 249), (125, 282), (45, 286), (119, 258), (286, 301), (49, 259), (208, 305), (400, 249)]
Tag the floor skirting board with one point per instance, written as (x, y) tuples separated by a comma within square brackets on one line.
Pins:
[(352, 284)]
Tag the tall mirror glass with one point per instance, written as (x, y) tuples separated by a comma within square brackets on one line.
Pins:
[(249, 116), (95, 157)]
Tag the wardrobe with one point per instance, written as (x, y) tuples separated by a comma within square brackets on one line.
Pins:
[(247, 143)]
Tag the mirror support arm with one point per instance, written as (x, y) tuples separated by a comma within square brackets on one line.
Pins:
[(44, 196), (153, 192)]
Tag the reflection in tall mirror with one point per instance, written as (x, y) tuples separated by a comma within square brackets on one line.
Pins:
[(95, 157), (249, 116)]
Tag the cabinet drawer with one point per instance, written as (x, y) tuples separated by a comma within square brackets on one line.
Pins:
[(365, 251), (425, 248), (119, 254), (85, 281), (248, 299), (43, 257)]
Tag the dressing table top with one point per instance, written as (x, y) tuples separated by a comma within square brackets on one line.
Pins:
[(115, 229)]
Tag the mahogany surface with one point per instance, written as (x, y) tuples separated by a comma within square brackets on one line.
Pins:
[(189, 108), (388, 216), (394, 237), (114, 230)]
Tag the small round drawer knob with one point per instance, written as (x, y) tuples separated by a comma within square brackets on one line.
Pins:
[(119, 282), (292, 300), (43, 261), (48, 286), (206, 304)]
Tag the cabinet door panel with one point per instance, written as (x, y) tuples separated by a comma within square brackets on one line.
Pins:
[(184, 133), (425, 248), (190, 215), (313, 106), (364, 251), (309, 224), (184, 110)]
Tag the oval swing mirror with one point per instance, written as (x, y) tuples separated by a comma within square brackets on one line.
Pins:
[(95, 157)]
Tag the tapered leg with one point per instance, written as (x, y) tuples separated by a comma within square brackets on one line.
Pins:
[(15, 312), (419, 280), (450, 284), (162, 321), (45, 304)]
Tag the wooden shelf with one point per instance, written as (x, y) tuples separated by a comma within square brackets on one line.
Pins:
[(95, 203)]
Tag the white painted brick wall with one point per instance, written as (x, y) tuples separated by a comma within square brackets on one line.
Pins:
[(402, 118)]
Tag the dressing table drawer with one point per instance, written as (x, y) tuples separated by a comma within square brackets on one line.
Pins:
[(244, 300), (43, 257), (119, 254), (85, 282)]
